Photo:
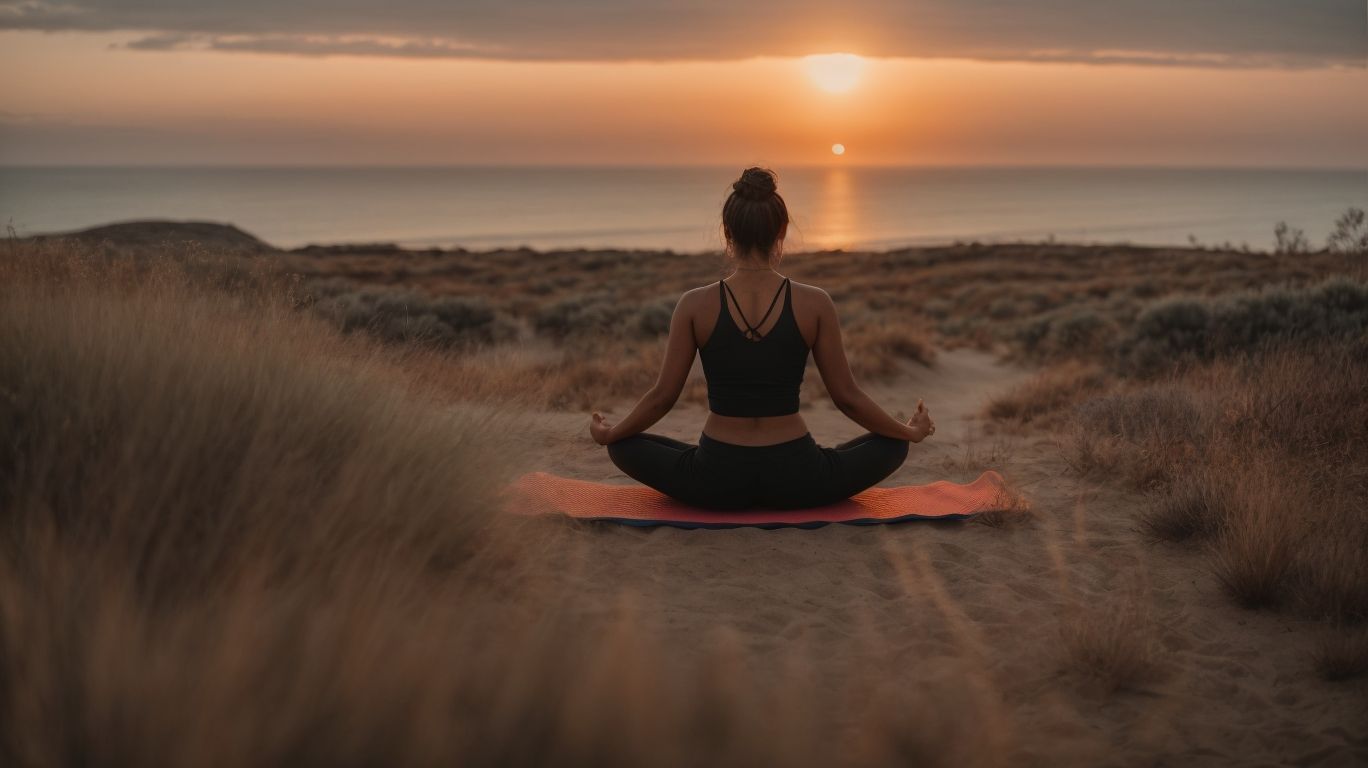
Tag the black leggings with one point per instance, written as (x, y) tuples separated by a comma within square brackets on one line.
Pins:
[(790, 475)]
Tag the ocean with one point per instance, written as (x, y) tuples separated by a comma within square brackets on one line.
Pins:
[(679, 207)]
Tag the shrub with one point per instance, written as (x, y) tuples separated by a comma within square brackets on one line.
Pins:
[(1172, 332), (1004, 308), (653, 318), (1289, 240), (1031, 335), (1078, 332), (1168, 331), (1351, 233), (1337, 308), (606, 315), (401, 316)]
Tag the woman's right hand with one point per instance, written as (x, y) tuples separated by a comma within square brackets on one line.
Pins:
[(921, 423)]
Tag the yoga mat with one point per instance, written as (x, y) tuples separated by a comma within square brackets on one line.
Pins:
[(545, 493)]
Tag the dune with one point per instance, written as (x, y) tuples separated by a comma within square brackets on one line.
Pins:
[(1060, 633), (153, 234)]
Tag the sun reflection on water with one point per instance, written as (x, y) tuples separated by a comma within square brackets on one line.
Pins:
[(834, 223)]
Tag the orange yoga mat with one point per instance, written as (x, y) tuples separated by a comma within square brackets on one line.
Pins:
[(544, 493)]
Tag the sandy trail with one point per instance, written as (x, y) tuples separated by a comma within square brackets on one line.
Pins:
[(970, 617)]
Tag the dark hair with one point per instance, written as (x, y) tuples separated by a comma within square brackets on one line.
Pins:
[(754, 213)]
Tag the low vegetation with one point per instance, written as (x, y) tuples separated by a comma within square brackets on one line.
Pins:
[(1112, 643), (235, 535), (253, 499), (1243, 419)]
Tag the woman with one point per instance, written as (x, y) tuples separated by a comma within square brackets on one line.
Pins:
[(755, 450)]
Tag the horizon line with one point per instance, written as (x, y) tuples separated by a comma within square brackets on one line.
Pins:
[(711, 165)]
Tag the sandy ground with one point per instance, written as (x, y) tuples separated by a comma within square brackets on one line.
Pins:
[(971, 617)]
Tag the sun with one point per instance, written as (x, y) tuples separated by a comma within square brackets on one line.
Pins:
[(834, 72), (838, 149)]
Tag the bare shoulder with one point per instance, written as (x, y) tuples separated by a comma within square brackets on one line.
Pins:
[(810, 298), (695, 298)]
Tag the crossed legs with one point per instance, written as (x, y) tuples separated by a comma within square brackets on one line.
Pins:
[(827, 476)]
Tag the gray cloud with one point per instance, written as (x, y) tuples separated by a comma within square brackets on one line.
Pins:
[(1283, 33)]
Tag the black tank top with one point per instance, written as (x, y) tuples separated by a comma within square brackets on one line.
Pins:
[(749, 374)]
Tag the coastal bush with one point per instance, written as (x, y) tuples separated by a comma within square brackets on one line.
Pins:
[(1350, 234), (404, 316), (1004, 308), (653, 318), (1177, 331), (1167, 332), (1079, 332), (604, 314), (595, 313), (1289, 240), (1031, 335), (1017, 296), (938, 308)]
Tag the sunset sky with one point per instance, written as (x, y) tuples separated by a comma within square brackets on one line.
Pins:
[(939, 82)]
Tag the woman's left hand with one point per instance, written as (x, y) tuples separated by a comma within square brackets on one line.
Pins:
[(599, 428)]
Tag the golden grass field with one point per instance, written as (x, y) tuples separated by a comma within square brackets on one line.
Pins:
[(252, 514)]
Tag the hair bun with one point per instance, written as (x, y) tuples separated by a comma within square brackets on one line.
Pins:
[(755, 183)]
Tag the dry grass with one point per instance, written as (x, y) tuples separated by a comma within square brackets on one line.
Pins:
[(1260, 532), (1141, 435), (1047, 395), (1190, 508), (1112, 642), (1342, 653), (879, 350), (980, 452), (1262, 459), (1012, 507), (1293, 455)]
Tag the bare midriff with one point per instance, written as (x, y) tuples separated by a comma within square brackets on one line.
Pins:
[(755, 430)]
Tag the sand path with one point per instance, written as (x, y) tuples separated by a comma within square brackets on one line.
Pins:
[(961, 623)]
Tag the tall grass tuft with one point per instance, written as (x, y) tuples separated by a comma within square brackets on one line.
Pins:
[(1342, 653), (1113, 643), (1260, 533)]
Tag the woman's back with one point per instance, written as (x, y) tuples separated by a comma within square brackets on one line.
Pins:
[(754, 333), (754, 369)]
